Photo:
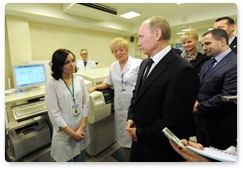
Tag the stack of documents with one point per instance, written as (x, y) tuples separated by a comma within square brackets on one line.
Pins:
[(228, 155)]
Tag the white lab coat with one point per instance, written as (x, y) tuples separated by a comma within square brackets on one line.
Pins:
[(90, 65), (122, 98), (59, 103)]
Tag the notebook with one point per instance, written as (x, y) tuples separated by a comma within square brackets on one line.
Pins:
[(228, 155)]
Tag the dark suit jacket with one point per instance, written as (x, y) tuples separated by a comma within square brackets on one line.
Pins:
[(215, 117), (198, 62), (165, 99), (233, 45)]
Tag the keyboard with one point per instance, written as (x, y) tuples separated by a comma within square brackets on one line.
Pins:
[(28, 110)]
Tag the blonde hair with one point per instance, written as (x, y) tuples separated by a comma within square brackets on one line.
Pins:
[(192, 33), (120, 42)]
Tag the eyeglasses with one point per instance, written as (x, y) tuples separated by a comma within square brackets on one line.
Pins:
[(84, 53)]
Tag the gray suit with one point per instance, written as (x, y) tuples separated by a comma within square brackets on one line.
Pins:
[(216, 121)]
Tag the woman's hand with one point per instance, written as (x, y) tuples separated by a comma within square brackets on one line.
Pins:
[(187, 154)]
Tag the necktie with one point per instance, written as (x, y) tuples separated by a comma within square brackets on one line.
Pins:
[(85, 63), (210, 66), (150, 62)]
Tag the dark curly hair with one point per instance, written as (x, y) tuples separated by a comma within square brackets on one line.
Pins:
[(58, 59)]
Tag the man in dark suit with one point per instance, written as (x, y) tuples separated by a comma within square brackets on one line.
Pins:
[(216, 121), (228, 24), (164, 99)]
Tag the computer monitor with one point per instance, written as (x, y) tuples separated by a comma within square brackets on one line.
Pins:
[(47, 67), (29, 76)]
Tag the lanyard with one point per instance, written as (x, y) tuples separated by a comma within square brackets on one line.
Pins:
[(72, 93)]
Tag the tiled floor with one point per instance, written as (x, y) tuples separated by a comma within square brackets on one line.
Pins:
[(111, 154)]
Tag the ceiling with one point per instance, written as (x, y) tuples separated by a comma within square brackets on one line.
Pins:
[(199, 16)]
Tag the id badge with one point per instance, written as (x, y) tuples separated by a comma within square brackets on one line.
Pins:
[(75, 110)]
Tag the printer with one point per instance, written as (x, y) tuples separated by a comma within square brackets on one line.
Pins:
[(29, 137), (101, 121)]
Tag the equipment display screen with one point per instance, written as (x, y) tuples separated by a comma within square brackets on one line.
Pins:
[(29, 75)]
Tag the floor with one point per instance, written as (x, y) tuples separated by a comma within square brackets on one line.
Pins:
[(111, 154)]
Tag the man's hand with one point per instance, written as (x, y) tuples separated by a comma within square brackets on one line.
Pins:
[(195, 110), (131, 129)]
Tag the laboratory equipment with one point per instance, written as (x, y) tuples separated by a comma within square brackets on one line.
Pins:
[(101, 121)]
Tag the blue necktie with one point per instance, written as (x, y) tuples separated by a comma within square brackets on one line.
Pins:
[(85, 63), (210, 66)]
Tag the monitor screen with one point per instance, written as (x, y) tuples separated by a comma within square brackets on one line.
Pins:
[(28, 76), (47, 67)]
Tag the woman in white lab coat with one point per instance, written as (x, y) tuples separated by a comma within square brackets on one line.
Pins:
[(122, 76), (67, 103)]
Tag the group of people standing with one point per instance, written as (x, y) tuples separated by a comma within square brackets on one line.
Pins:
[(173, 93)]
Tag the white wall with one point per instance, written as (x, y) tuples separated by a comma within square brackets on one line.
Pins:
[(29, 41), (19, 38)]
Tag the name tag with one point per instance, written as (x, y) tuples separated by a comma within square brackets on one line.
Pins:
[(75, 109)]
